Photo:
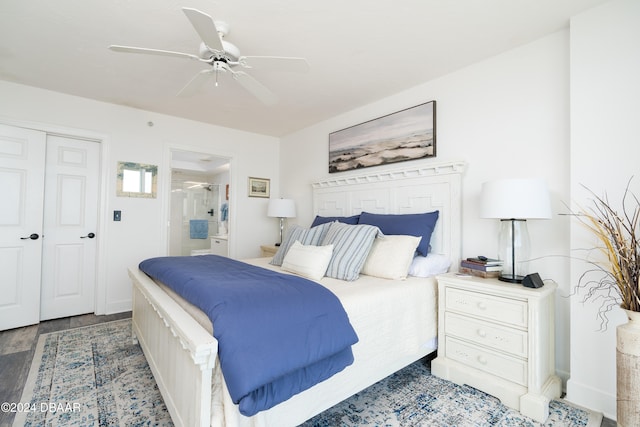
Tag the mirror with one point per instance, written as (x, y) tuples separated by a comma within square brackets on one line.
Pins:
[(136, 180)]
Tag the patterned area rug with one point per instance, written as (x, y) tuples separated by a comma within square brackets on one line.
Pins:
[(96, 376), (91, 376), (414, 397)]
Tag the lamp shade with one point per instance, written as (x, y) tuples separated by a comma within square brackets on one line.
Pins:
[(281, 208), (515, 199)]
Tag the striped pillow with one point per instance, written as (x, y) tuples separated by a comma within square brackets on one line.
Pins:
[(306, 236), (351, 245)]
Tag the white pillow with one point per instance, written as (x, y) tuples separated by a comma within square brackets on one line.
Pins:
[(390, 256), (308, 261), (430, 265)]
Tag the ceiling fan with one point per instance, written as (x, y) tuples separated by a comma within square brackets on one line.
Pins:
[(223, 57)]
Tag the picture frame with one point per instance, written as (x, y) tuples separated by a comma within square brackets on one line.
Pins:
[(259, 187), (408, 134)]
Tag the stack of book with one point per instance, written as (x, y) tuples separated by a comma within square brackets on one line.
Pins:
[(485, 267)]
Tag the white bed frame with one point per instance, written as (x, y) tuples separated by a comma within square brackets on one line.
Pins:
[(182, 354)]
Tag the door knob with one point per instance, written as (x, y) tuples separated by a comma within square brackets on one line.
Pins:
[(90, 235), (33, 236)]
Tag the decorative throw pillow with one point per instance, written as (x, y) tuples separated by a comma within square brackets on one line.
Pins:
[(351, 245), (421, 225), (308, 261), (391, 256), (306, 236), (430, 265), (344, 219)]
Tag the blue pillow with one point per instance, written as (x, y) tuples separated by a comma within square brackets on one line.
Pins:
[(353, 220), (421, 225)]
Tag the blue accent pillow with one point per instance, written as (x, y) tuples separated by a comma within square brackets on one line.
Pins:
[(353, 220), (421, 225)]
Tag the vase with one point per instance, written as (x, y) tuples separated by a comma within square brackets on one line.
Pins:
[(628, 371)]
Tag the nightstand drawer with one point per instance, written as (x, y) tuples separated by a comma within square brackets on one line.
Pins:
[(510, 340), (509, 368), (490, 307)]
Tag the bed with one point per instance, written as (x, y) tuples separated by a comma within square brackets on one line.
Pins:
[(395, 320)]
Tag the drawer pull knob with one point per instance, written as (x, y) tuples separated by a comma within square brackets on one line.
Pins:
[(482, 333), (482, 360)]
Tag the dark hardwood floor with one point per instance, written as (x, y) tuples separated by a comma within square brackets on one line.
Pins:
[(18, 345), (16, 353)]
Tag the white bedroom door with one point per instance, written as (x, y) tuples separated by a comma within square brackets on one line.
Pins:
[(70, 226), (22, 160)]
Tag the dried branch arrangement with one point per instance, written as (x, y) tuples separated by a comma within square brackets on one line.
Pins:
[(616, 278)]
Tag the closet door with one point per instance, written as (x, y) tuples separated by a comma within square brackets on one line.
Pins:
[(70, 224), (22, 163)]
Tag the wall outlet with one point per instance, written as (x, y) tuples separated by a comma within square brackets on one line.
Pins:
[(117, 215)]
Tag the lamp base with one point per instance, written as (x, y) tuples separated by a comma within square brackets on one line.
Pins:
[(511, 278)]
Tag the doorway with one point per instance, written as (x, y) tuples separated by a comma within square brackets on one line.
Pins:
[(199, 203)]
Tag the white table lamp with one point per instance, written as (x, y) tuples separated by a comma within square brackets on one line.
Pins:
[(513, 201), (281, 208)]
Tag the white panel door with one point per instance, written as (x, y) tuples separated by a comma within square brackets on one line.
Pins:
[(22, 160), (71, 216)]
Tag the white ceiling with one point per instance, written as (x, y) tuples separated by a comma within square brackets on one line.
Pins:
[(359, 51)]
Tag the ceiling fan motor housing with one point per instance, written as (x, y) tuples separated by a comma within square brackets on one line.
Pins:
[(231, 52)]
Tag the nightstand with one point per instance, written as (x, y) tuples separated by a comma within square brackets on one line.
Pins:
[(268, 250), (499, 338)]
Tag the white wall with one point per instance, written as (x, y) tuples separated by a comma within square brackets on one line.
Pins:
[(506, 117), (127, 137), (605, 124)]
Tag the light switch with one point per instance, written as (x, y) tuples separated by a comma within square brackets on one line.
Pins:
[(117, 215)]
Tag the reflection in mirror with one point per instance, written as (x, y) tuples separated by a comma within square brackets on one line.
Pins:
[(136, 180)]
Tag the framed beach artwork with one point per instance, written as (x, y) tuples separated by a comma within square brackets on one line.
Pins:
[(259, 187), (405, 135)]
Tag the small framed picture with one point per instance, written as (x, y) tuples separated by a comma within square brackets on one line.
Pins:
[(259, 187)]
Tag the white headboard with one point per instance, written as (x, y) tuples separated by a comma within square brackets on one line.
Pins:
[(425, 188)]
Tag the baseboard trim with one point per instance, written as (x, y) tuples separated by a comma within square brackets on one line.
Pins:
[(587, 397)]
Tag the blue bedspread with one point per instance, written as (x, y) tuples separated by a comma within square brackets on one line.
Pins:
[(277, 334)]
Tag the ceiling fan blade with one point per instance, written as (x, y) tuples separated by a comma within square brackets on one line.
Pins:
[(196, 83), (130, 49), (275, 63), (205, 27), (255, 88)]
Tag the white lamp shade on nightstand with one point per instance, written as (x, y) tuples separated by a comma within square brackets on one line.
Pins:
[(281, 208), (513, 201), (515, 198)]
